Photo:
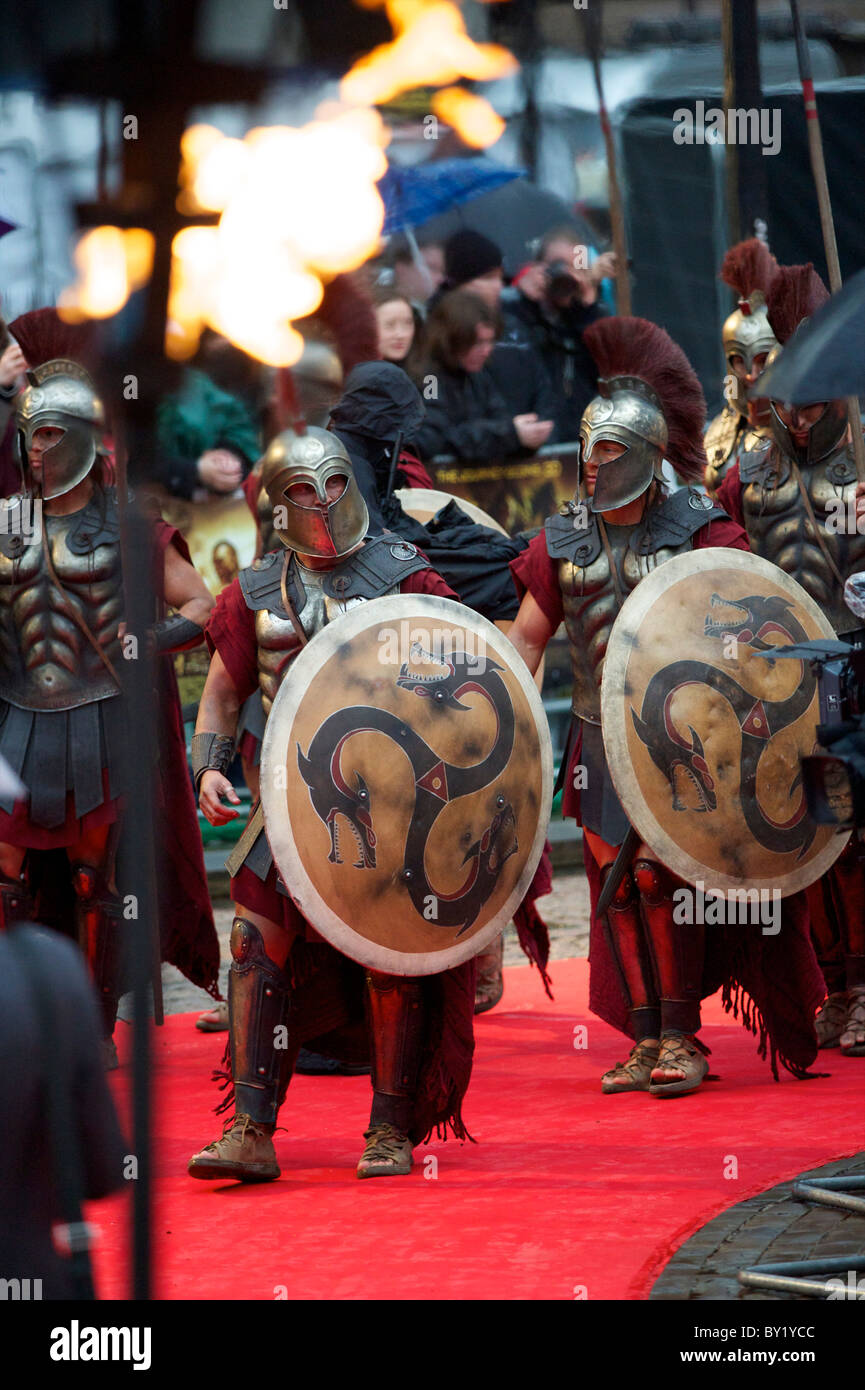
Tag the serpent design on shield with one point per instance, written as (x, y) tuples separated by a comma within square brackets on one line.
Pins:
[(758, 719), (436, 783)]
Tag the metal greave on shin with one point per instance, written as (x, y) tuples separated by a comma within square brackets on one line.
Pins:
[(259, 1000), (677, 950), (98, 916), (847, 889), (627, 941), (396, 1026)]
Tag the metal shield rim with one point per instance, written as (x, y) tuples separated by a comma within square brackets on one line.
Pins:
[(274, 755), (633, 610), (435, 498)]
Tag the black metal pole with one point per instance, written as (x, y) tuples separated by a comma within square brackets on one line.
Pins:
[(747, 194)]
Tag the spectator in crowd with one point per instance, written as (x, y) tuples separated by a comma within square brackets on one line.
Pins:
[(474, 263), (552, 303), (415, 276), (467, 415), (209, 433), (400, 332)]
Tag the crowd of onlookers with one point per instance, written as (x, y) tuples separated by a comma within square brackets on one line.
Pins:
[(501, 368)]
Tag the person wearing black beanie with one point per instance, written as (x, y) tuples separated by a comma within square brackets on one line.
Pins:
[(472, 262)]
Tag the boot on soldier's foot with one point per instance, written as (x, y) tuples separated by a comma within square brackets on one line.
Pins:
[(244, 1152), (852, 1040), (635, 1074), (388, 1153), (489, 985), (831, 1020), (681, 1066)]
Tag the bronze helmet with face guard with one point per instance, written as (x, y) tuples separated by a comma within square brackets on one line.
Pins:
[(326, 527), (650, 401), (60, 395), (796, 294), (748, 268)]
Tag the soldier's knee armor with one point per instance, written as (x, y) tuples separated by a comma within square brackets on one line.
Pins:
[(258, 1009), (98, 916)]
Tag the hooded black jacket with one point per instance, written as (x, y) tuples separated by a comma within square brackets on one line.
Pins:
[(378, 402)]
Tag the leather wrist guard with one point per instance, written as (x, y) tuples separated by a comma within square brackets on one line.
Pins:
[(174, 633), (211, 753)]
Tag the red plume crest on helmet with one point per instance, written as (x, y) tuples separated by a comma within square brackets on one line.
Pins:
[(795, 294), (636, 347), (749, 266)]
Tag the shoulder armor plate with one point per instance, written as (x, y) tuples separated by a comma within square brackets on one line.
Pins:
[(573, 535), (757, 464), (260, 584), (381, 564), (675, 520), (721, 435), (93, 528)]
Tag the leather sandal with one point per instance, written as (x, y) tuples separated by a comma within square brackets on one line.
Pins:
[(214, 1020), (681, 1066), (852, 1040), (489, 985), (831, 1020), (634, 1074), (388, 1153)]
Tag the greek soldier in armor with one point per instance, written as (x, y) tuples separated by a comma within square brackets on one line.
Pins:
[(62, 717), (793, 495), (281, 972), (747, 336), (647, 971)]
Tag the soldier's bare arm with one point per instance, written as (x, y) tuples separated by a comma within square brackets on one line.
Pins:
[(185, 590), (531, 632), (217, 714)]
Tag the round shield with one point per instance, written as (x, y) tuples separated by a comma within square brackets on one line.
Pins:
[(406, 781), (704, 730), (422, 503)]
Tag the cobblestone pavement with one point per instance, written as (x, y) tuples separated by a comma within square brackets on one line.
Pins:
[(565, 910), (770, 1228)]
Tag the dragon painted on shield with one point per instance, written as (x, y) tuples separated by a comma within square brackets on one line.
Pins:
[(677, 756), (436, 783)]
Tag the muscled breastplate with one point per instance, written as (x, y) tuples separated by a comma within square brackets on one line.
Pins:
[(293, 602), (589, 589), (781, 530), (46, 659), (728, 437)]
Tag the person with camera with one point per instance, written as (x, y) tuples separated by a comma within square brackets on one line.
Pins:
[(552, 303), (787, 492)]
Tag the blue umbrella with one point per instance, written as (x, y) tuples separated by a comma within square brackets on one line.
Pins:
[(412, 195)]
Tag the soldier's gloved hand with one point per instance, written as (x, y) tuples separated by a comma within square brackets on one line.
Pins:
[(213, 786)]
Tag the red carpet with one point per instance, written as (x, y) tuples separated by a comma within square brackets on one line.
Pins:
[(566, 1189)]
